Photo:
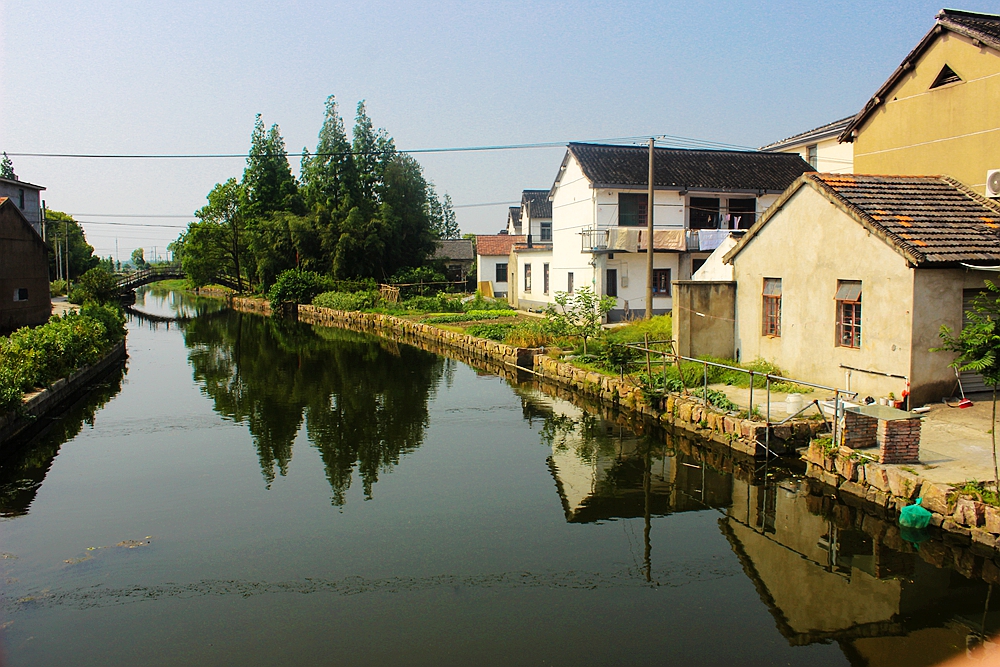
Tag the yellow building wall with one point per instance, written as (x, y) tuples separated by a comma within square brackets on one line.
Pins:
[(810, 245), (952, 130)]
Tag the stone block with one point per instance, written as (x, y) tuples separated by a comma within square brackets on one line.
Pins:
[(876, 476), (876, 497), (814, 453), (853, 489), (936, 498), (696, 413), (684, 411), (956, 530), (991, 573), (846, 468), (991, 519), (969, 512), (902, 483), (935, 553), (983, 537)]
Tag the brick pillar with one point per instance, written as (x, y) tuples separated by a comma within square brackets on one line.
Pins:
[(858, 430), (899, 440)]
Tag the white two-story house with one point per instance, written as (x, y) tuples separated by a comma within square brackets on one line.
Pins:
[(599, 207)]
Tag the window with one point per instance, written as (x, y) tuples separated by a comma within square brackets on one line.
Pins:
[(661, 282), (20, 199), (772, 306), (849, 313), (545, 278), (812, 155), (546, 234), (945, 76), (632, 209), (697, 263), (611, 283), (501, 276), (21, 294), (742, 213), (569, 282), (527, 277), (704, 212)]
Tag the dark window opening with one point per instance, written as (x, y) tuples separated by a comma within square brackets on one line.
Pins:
[(611, 283), (21, 294), (742, 213), (501, 276), (545, 278), (569, 282), (772, 306), (696, 264), (849, 313), (527, 277), (945, 76), (20, 199), (546, 232), (704, 212), (661, 281), (632, 209)]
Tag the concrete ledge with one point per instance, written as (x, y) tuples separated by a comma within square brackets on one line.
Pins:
[(14, 422)]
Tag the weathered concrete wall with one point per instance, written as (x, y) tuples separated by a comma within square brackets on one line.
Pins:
[(24, 265), (704, 318), (810, 245), (16, 421)]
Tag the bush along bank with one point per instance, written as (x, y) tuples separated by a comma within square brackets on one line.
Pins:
[(969, 513), (681, 411), (52, 362)]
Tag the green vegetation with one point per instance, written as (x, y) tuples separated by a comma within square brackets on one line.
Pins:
[(491, 331), (982, 491), (470, 316), (299, 286), (35, 357), (96, 286), (579, 315), (658, 328), (348, 300), (59, 227), (360, 209), (977, 347)]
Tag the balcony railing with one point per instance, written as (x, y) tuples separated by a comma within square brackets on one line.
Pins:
[(594, 240)]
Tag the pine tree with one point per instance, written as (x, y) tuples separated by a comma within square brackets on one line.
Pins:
[(329, 178), (7, 168)]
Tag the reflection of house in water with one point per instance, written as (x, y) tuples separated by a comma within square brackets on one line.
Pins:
[(828, 583), (604, 471)]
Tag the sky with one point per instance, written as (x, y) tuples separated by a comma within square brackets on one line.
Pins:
[(189, 77)]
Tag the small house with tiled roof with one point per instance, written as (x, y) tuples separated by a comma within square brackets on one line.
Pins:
[(24, 270), (820, 147), (513, 220), (849, 278), (599, 202), (939, 111), (492, 253), (536, 216)]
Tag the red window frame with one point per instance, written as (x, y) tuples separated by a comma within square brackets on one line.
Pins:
[(772, 307)]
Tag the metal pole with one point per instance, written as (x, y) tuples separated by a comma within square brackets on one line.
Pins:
[(649, 238), (767, 426), (705, 386), (67, 255), (836, 415), (649, 368), (750, 409)]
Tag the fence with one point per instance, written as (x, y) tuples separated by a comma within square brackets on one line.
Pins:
[(671, 357)]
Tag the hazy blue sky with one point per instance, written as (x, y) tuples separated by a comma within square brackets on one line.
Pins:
[(188, 77)]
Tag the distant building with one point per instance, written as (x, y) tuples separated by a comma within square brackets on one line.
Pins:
[(513, 220), (24, 270), (939, 112), (820, 147), (456, 256), (26, 197), (492, 254), (536, 216)]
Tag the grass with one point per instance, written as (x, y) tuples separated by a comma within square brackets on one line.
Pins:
[(659, 327), (982, 491)]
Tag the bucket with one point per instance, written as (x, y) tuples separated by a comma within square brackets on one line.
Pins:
[(793, 403)]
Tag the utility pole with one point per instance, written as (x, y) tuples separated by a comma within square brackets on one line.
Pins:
[(66, 228), (44, 220), (649, 238)]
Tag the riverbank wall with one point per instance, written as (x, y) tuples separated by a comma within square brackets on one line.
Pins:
[(16, 422), (746, 436)]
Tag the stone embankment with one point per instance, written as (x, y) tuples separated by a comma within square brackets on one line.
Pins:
[(17, 421), (885, 489), (746, 436)]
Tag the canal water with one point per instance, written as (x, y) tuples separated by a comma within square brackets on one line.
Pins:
[(250, 491)]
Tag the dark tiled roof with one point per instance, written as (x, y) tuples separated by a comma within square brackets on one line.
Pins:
[(497, 244), (457, 249), (628, 166), (930, 220), (514, 216), (822, 132), (23, 184), (541, 207), (984, 27)]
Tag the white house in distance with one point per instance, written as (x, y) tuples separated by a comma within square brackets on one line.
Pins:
[(492, 253), (820, 147), (28, 199), (599, 202)]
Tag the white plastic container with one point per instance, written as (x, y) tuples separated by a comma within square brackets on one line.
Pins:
[(793, 403)]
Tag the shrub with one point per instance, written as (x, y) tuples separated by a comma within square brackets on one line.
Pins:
[(481, 303), (497, 332), (57, 287), (442, 303), (421, 280), (298, 286), (110, 317), (470, 316), (528, 334), (96, 286), (348, 300)]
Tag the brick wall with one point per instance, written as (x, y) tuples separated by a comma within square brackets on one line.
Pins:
[(859, 430), (899, 441)]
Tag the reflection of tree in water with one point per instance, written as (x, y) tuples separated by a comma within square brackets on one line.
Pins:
[(363, 400), (23, 469)]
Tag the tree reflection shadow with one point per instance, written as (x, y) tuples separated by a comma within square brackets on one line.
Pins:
[(363, 400)]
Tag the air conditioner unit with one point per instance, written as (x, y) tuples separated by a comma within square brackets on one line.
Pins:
[(993, 183)]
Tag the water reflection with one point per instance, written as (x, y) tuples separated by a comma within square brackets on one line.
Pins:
[(363, 400), (26, 462)]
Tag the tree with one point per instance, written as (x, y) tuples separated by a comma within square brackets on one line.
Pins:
[(81, 253), (139, 259), (579, 314), (268, 183), (7, 168), (216, 246), (329, 178), (97, 286), (978, 348), (441, 213)]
